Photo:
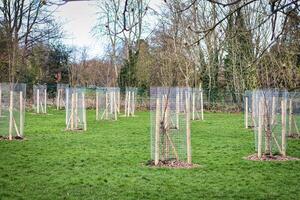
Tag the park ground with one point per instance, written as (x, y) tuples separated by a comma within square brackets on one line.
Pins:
[(108, 162)]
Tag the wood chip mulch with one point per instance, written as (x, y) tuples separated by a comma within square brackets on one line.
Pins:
[(13, 138), (176, 164), (254, 157)]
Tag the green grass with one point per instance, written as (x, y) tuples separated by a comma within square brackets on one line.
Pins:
[(107, 162)]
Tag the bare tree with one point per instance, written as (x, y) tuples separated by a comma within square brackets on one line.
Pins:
[(25, 22)]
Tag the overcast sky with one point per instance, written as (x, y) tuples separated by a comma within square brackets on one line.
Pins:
[(79, 19)]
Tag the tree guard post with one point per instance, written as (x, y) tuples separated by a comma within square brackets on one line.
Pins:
[(260, 128), (38, 101), (45, 100), (21, 114), (84, 112), (201, 104), (283, 136), (290, 116), (11, 105), (97, 105), (246, 112), (157, 131), (188, 129)]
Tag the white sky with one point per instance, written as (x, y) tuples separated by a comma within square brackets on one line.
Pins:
[(79, 19)]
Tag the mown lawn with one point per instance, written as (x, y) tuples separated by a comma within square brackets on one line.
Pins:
[(107, 162)]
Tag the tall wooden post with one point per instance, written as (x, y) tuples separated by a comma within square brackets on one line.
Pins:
[(201, 101), (58, 99), (115, 105), (253, 111), (84, 112), (126, 102), (157, 131), (177, 109), (76, 109), (193, 105), (38, 100), (246, 112), (133, 102), (260, 128), (21, 114), (106, 105), (11, 106), (129, 104), (283, 125), (67, 105), (290, 116), (97, 105), (119, 101), (188, 129), (45, 100), (72, 110)]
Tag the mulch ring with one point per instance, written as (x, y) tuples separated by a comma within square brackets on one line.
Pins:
[(294, 136), (13, 138), (264, 157), (173, 164)]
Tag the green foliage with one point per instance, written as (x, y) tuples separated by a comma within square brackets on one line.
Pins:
[(128, 70), (108, 162)]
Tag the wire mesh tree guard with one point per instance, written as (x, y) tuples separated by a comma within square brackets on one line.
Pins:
[(12, 110), (40, 99), (197, 104), (270, 122), (130, 101), (60, 96), (294, 115), (170, 124), (107, 103), (75, 109)]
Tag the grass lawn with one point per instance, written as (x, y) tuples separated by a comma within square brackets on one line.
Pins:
[(107, 162)]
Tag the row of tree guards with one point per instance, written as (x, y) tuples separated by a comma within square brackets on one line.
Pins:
[(273, 115)]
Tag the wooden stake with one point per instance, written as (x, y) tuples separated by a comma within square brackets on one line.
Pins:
[(290, 116), (188, 130), (45, 100), (133, 102), (129, 104), (67, 105), (97, 105), (38, 100), (201, 101), (260, 128), (119, 101), (106, 105), (21, 114), (11, 105), (253, 111), (84, 112), (283, 132), (246, 112), (115, 105), (157, 131), (125, 105), (76, 109), (57, 99), (177, 110), (193, 105), (72, 110)]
